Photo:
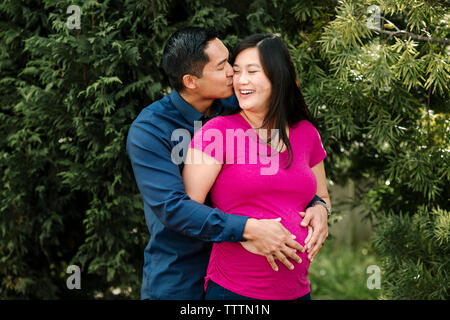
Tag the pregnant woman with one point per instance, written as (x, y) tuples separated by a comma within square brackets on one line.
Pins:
[(264, 161)]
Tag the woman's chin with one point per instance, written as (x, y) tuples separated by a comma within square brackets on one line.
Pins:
[(245, 107)]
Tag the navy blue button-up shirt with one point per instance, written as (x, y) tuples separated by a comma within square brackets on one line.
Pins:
[(182, 230)]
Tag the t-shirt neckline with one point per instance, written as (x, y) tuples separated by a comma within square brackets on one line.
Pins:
[(250, 127)]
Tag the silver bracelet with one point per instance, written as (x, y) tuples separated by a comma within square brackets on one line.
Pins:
[(324, 204)]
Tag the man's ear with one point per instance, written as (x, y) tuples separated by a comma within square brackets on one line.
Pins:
[(190, 81)]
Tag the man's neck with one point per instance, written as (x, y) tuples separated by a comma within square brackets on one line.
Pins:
[(200, 104)]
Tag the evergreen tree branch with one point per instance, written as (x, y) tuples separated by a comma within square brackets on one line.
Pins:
[(428, 116), (411, 35), (396, 28), (155, 15)]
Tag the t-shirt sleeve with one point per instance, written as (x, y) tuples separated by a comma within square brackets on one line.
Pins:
[(210, 139), (318, 152)]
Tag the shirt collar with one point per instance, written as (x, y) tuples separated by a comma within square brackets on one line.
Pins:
[(190, 113)]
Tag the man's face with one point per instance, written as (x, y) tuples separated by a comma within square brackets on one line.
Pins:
[(217, 79)]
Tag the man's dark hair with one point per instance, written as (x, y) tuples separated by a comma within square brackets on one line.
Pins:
[(184, 53)]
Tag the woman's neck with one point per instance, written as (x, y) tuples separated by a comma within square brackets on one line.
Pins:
[(255, 119)]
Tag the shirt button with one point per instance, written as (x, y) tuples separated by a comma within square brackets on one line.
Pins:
[(232, 238)]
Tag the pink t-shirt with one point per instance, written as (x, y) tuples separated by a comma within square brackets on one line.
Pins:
[(250, 184)]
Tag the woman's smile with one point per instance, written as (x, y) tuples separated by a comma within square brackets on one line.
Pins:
[(245, 93)]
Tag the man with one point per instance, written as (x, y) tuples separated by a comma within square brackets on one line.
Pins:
[(182, 230)]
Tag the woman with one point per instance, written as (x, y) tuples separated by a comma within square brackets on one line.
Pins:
[(273, 114)]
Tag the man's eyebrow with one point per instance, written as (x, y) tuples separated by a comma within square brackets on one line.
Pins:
[(222, 62)]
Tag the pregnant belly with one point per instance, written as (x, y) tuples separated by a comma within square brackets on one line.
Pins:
[(239, 270), (291, 220)]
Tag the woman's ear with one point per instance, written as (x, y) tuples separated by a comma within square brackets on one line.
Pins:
[(190, 81)]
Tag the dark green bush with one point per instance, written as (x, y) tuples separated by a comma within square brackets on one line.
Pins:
[(68, 97)]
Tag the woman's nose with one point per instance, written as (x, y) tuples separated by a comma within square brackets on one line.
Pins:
[(242, 78)]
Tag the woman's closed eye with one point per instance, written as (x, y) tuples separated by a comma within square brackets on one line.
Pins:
[(250, 71)]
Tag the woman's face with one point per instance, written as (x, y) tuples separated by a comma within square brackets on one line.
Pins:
[(251, 84)]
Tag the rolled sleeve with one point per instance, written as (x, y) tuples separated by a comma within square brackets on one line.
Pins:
[(234, 228)]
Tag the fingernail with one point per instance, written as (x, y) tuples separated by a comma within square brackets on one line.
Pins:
[(293, 237), (291, 267)]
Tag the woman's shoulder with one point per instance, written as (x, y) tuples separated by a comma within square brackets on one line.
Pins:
[(305, 125), (306, 130)]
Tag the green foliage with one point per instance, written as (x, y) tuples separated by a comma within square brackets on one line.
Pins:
[(67, 191), (339, 272), (415, 253), (385, 99)]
